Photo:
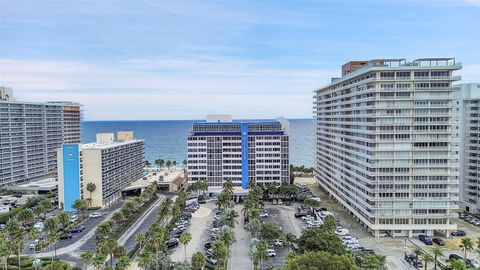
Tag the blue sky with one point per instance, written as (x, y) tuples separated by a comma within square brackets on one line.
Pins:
[(172, 59)]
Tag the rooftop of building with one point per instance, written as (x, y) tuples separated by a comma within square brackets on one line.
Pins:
[(225, 119), (420, 63), (153, 175), (47, 184), (6, 96), (106, 145), (107, 140)]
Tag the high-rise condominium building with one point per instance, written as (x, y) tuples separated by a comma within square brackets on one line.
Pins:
[(30, 133), (242, 151), (384, 145), (110, 165), (469, 128)]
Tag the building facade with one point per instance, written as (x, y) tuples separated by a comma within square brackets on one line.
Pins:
[(30, 133), (469, 127), (242, 151), (110, 165), (385, 145)]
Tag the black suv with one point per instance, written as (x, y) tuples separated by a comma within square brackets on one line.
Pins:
[(66, 236), (77, 229), (171, 243)]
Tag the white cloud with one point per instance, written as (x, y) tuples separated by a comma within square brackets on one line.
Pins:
[(167, 88), (474, 2)]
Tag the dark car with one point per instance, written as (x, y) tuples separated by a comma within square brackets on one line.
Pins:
[(455, 257), (208, 245), (458, 233), (171, 243), (438, 241), (300, 214), (66, 236), (425, 239), (77, 229)]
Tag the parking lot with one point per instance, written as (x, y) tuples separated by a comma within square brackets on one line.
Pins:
[(199, 227)]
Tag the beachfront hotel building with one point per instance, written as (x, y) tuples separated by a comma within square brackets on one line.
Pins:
[(108, 163), (30, 133), (242, 151), (469, 126), (386, 147)]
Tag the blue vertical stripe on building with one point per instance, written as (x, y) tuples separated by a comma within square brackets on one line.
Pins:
[(71, 175), (244, 130)]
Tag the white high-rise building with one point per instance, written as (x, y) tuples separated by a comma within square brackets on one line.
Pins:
[(385, 147), (30, 133), (242, 151), (469, 129), (110, 165)]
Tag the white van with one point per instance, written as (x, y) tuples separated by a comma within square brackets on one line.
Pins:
[(342, 232)]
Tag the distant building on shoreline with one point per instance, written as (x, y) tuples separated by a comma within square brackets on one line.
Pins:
[(386, 148), (469, 128), (242, 151), (110, 165), (30, 133)]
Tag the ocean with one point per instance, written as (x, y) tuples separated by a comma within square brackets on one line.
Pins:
[(167, 139)]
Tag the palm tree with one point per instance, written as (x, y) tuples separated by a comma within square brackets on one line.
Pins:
[(289, 239), (91, 188), (32, 236), (198, 260), (457, 265), (230, 218), (118, 252), (260, 254), (5, 247), (466, 245), (86, 257), (228, 186), (80, 205), (185, 238), (227, 235), (427, 258), (99, 260), (63, 219), (174, 163), (25, 216), (417, 251), (168, 164), (145, 260), (118, 216), (140, 239), (437, 252), (185, 163), (254, 226), (220, 252), (123, 263), (51, 226)]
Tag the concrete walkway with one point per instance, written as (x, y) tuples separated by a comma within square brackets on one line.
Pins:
[(239, 258)]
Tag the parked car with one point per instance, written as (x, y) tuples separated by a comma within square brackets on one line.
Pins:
[(95, 215), (77, 229), (271, 252), (263, 215), (171, 243), (208, 245), (280, 201), (473, 263), (438, 241), (425, 239), (342, 232), (210, 262), (274, 202), (458, 233), (278, 242), (73, 218), (455, 257), (300, 214), (66, 236)]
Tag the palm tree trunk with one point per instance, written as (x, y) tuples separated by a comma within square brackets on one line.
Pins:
[(185, 252), (18, 258)]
